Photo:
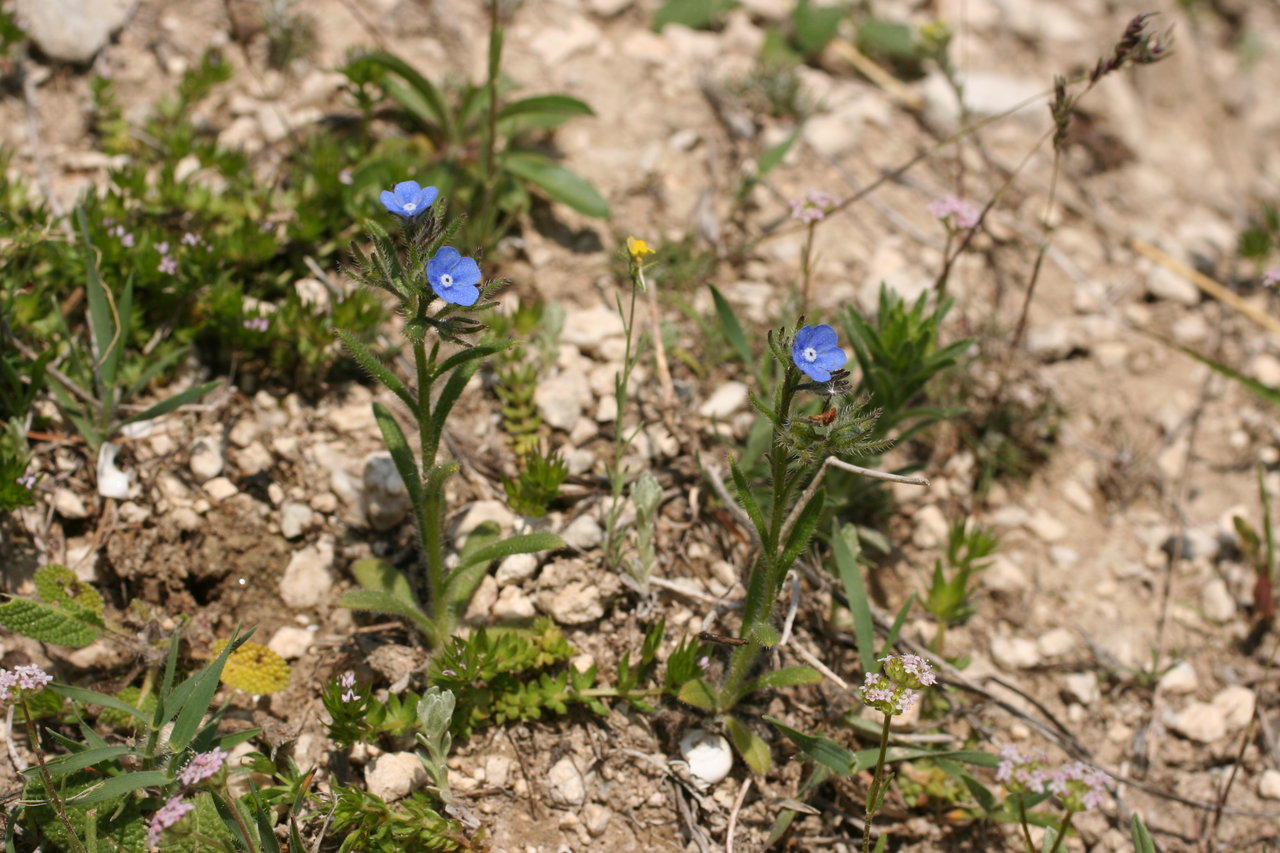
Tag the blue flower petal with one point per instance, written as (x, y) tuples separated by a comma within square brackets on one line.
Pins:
[(463, 295), (390, 202), (822, 337), (831, 359), (466, 272), (443, 260), (426, 197), (814, 372), (407, 191)]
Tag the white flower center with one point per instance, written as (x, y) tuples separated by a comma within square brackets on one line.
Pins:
[(810, 354), (446, 280), (410, 206)]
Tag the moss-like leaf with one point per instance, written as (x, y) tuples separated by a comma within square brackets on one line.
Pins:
[(48, 624)]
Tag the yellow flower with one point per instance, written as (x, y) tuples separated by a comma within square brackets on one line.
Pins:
[(638, 249)]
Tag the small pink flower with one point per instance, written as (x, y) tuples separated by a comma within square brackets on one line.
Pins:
[(1271, 278), (962, 213), (189, 239), (169, 814), (814, 207), (202, 766), (168, 265)]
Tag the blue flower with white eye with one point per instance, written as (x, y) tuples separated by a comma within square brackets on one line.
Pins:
[(454, 277), (815, 352), (408, 199)]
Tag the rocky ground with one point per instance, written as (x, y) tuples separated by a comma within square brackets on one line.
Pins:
[(252, 508)]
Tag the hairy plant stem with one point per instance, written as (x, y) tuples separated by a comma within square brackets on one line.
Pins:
[(1062, 832), (618, 476), (806, 266), (34, 738), (429, 515), (491, 124), (762, 588), (874, 795), (1026, 830)]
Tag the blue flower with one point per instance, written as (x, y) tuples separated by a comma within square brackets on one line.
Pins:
[(408, 199), (815, 352), (454, 277)]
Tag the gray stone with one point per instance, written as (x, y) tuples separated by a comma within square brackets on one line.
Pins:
[(568, 593), (609, 8), (386, 500), (497, 769), (220, 488), (1165, 284), (565, 783), (571, 35), (207, 460), (395, 775), (291, 642), (1179, 680), (1013, 653), (1200, 722), (478, 513), (295, 518), (929, 526), (1046, 527), (1217, 601), (482, 601), (72, 30), (986, 94), (583, 533), (561, 398), (724, 401), (512, 604), (1056, 643), (1083, 687), (67, 504), (516, 568), (1269, 784), (596, 818), (308, 578), (1235, 703)]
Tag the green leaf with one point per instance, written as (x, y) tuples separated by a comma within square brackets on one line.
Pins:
[(164, 407), (770, 159), (557, 182), (845, 547), (1142, 842), (544, 110), (103, 319), (696, 14), (896, 627), (785, 677), (374, 574), (527, 543), (449, 395), (815, 25), (731, 328), (377, 369), (193, 697), (117, 786), (1263, 392), (48, 624), (401, 455), (469, 354), (698, 694), (826, 752), (420, 98), (802, 532), (59, 586), (382, 602), (750, 745), (64, 764), (94, 697), (866, 759)]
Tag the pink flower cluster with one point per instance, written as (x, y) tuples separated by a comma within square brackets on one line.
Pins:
[(1079, 786), (962, 214), (29, 677), (169, 814), (896, 687), (1271, 278), (814, 207), (257, 324), (203, 766)]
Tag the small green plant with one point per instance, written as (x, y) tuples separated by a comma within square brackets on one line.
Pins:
[(646, 497), (518, 367), (696, 14), (166, 781), (486, 161), (950, 590), (538, 483), (99, 372), (417, 269), (801, 450), (68, 612)]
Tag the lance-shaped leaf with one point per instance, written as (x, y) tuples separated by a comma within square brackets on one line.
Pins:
[(401, 455), (164, 407), (557, 182), (374, 366), (801, 533), (543, 111), (826, 752), (750, 745)]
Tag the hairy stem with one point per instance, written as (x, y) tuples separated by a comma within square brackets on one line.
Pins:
[(874, 795)]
